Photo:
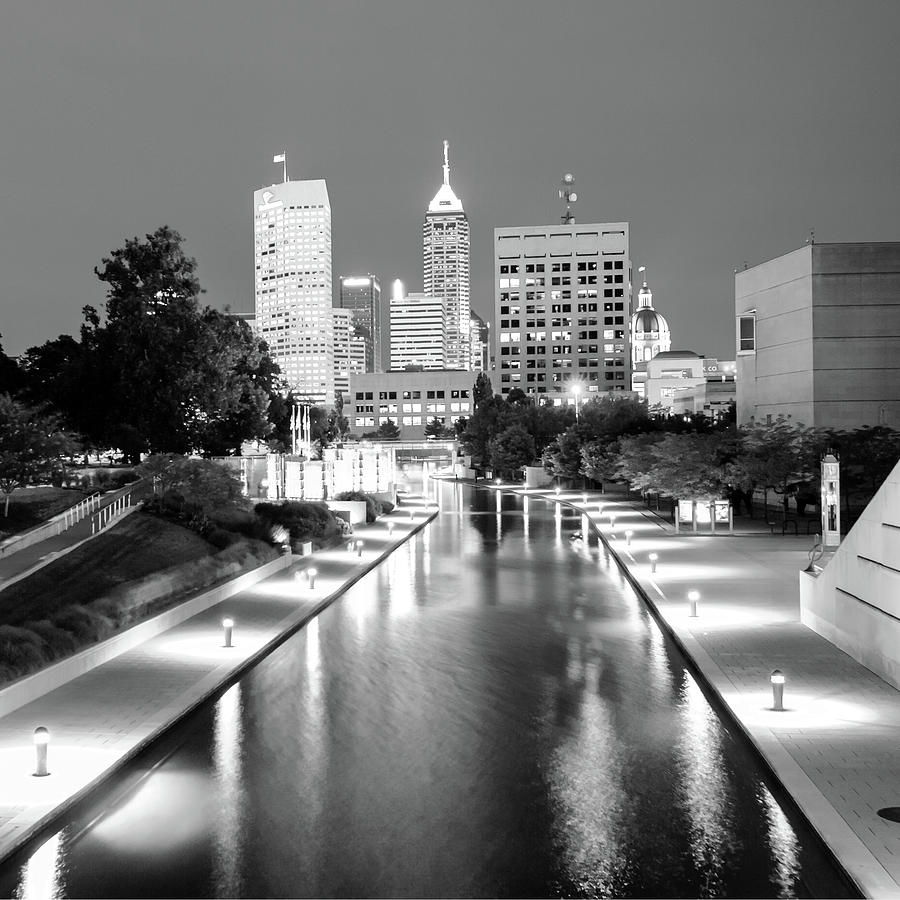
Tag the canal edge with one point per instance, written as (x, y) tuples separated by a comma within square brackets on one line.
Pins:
[(861, 868), (216, 682)]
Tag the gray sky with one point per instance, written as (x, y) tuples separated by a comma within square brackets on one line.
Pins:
[(721, 131)]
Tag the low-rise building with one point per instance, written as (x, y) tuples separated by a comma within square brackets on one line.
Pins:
[(408, 399)]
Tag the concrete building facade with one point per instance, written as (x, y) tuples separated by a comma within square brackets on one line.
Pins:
[(361, 295), (408, 399), (818, 336), (445, 266), (418, 330), (292, 284), (562, 300)]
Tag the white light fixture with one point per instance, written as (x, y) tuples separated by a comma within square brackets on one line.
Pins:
[(653, 558), (359, 546), (311, 575), (41, 740), (228, 628), (777, 679), (693, 597), (629, 534)]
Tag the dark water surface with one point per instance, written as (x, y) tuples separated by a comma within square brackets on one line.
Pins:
[(491, 713)]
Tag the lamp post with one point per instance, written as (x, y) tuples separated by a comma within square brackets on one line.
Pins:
[(653, 558), (777, 679), (228, 628), (359, 546), (390, 528), (311, 575), (576, 391), (41, 740), (693, 597), (629, 534)]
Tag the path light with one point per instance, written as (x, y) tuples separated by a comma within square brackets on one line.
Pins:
[(311, 575), (693, 597), (359, 546), (497, 481), (653, 558), (556, 490), (777, 679), (228, 627), (600, 510), (349, 546), (612, 520), (41, 739), (584, 499), (390, 527), (412, 514), (629, 534)]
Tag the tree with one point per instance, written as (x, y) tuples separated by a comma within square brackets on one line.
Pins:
[(168, 375), (388, 430), (12, 378), (562, 457), (482, 390), (600, 460), (434, 428), (512, 449), (197, 486), (32, 444)]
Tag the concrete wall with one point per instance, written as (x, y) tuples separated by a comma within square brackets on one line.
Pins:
[(854, 601), (827, 336)]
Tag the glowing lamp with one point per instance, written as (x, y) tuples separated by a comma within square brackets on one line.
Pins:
[(41, 740), (228, 628), (556, 490), (629, 534), (311, 575), (777, 679), (693, 597), (653, 558), (390, 527), (359, 546)]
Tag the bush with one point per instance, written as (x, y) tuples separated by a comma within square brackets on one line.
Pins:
[(21, 650), (374, 506), (58, 642), (304, 520), (88, 625)]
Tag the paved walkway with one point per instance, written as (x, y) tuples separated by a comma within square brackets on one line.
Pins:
[(836, 746), (104, 717)]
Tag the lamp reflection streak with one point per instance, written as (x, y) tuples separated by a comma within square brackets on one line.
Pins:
[(783, 844), (227, 760), (42, 876)]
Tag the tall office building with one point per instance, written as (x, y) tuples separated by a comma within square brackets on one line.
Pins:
[(445, 258), (361, 294), (562, 299), (349, 350), (479, 342), (292, 255), (418, 330)]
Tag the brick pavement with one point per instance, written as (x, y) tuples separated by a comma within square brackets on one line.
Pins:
[(836, 746), (103, 718)]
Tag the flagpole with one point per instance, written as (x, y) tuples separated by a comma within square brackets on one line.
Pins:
[(284, 162)]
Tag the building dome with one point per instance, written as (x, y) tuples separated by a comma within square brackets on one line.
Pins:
[(649, 333), (647, 320)]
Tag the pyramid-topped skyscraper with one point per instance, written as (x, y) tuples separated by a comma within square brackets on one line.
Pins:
[(445, 261)]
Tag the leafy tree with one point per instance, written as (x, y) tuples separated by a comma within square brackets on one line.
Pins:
[(32, 444), (482, 390), (12, 378), (690, 466), (600, 460), (199, 486), (388, 430), (562, 457), (636, 460), (434, 428), (481, 428), (510, 450)]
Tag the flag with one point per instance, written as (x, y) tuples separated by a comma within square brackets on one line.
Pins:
[(279, 158)]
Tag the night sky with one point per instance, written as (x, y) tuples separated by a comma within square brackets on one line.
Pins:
[(723, 132)]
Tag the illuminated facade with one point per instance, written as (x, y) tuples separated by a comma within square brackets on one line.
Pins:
[(562, 298), (445, 259), (418, 330), (292, 282), (361, 294), (479, 342), (649, 335), (349, 350)]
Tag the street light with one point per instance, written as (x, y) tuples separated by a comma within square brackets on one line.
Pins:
[(777, 679), (41, 739), (576, 391), (693, 597)]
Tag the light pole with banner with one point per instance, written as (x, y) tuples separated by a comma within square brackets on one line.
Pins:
[(831, 500)]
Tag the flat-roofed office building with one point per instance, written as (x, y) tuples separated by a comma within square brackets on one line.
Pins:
[(361, 294), (292, 280), (818, 336), (562, 309), (418, 330)]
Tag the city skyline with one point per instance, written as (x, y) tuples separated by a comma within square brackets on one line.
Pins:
[(723, 134)]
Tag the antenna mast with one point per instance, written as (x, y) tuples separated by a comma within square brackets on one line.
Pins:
[(567, 193)]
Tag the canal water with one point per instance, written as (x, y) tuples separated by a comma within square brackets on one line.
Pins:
[(491, 713)]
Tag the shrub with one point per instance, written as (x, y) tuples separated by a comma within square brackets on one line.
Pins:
[(87, 625), (58, 642), (374, 507), (21, 650), (304, 520)]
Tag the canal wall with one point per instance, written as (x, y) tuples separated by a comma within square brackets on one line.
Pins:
[(101, 720)]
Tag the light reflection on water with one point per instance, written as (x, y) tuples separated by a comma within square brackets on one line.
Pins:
[(513, 724)]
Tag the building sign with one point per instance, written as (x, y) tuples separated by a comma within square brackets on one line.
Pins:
[(831, 501), (269, 202)]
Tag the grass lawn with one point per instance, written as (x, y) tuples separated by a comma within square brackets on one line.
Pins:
[(32, 506), (137, 546)]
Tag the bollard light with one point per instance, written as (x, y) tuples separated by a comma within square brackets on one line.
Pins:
[(41, 740), (629, 534), (349, 546), (584, 499), (612, 521), (497, 481), (311, 575), (359, 546), (228, 628), (600, 510), (411, 514), (693, 597), (390, 527), (777, 679), (653, 558), (556, 490)]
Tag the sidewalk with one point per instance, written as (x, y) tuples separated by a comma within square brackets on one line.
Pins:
[(103, 718), (836, 746)]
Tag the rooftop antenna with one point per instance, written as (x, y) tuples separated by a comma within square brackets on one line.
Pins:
[(446, 162), (567, 193), (812, 237), (643, 269), (282, 158)]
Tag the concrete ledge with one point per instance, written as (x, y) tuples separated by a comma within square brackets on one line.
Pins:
[(29, 688)]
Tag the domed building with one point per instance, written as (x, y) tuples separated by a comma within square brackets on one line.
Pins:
[(649, 336)]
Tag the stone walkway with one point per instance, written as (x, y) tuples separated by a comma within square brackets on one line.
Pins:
[(836, 745), (103, 718)]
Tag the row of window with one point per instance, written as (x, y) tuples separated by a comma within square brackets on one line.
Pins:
[(590, 266), (412, 395), (557, 377)]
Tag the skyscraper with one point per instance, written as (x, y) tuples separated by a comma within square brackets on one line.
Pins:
[(292, 281), (480, 342), (361, 294), (418, 330), (562, 294), (445, 258), (349, 350)]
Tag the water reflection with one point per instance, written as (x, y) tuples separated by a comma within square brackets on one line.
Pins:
[(43, 876), (514, 724)]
